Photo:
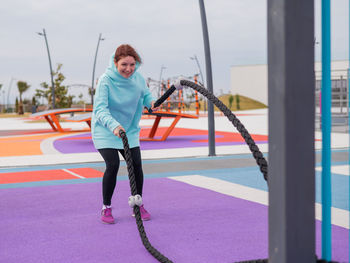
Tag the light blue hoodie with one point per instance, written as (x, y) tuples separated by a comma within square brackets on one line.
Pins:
[(118, 101)]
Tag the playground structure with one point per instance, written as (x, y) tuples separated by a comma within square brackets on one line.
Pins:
[(174, 107)]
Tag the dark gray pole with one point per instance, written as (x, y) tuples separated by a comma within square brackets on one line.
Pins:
[(291, 82), (211, 123), (51, 72), (8, 94), (93, 70)]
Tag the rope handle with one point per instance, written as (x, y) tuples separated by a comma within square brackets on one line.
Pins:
[(163, 97)]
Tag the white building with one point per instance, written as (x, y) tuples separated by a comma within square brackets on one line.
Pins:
[(251, 80)]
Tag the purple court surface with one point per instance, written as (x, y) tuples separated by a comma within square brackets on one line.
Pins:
[(61, 223)]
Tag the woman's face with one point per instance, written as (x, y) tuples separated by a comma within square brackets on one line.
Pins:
[(126, 66)]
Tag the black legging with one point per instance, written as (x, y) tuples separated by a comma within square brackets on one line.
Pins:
[(112, 161)]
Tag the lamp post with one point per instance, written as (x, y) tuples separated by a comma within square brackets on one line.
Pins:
[(51, 72), (93, 70), (211, 125), (160, 79), (8, 94)]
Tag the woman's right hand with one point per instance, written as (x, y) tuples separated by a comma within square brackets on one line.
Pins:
[(116, 130)]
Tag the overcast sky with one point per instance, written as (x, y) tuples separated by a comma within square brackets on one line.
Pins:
[(163, 32)]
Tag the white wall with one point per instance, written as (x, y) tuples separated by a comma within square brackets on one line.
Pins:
[(251, 80)]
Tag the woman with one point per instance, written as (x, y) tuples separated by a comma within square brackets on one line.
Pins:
[(120, 98)]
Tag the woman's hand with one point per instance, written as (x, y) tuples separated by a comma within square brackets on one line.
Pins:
[(152, 106), (116, 130)]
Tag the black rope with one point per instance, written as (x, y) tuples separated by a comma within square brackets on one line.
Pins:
[(153, 251), (260, 160), (163, 98)]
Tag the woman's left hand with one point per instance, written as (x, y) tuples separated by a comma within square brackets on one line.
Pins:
[(152, 106)]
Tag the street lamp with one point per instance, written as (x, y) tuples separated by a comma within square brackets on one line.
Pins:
[(93, 70), (8, 94), (51, 73), (160, 79)]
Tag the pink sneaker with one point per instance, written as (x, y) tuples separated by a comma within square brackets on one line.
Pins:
[(144, 214), (106, 216)]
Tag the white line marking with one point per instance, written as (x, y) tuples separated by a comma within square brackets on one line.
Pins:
[(340, 217), (72, 173), (337, 169)]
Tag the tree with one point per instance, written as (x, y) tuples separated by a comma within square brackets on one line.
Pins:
[(16, 105), (22, 87), (62, 100), (237, 102), (230, 101)]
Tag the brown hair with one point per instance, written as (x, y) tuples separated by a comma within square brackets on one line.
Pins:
[(124, 51)]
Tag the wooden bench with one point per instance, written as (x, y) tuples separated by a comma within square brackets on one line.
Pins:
[(52, 116)]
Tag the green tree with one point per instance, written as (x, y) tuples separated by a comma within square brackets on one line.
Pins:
[(237, 102), (22, 87), (230, 101), (62, 99)]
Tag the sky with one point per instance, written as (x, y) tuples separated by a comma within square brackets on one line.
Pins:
[(165, 33)]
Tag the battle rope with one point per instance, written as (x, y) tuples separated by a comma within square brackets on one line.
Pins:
[(153, 251), (260, 160), (136, 200)]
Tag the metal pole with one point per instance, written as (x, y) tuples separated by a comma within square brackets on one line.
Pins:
[(291, 86), (51, 72), (8, 93), (160, 80), (211, 123), (326, 131), (348, 109), (93, 70)]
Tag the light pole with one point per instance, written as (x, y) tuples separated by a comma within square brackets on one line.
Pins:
[(211, 125), (51, 72), (93, 70), (8, 93), (160, 79)]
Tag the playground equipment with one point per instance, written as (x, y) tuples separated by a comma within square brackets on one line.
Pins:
[(52, 116), (173, 108)]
